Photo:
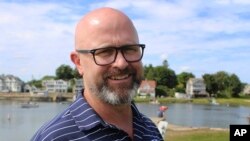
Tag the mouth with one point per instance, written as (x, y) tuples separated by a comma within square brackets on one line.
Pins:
[(119, 77)]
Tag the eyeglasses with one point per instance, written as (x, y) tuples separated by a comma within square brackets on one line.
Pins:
[(106, 56)]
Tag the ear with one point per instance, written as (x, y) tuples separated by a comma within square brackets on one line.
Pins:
[(76, 60)]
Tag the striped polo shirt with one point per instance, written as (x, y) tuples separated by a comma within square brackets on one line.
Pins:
[(80, 122)]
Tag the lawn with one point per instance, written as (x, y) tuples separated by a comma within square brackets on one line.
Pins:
[(197, 135)]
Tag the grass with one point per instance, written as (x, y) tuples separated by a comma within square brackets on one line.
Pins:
[(197, 135)]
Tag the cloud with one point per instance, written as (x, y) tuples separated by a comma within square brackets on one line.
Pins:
[(33, 33), (195, 35)]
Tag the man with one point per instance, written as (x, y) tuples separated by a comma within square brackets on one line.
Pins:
[(108, 56)]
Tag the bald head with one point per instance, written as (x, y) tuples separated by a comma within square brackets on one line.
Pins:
[(105, 27)]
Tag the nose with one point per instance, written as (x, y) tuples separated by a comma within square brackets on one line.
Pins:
[(120, 61)]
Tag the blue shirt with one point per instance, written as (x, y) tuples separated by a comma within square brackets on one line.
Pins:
[(80, 122)]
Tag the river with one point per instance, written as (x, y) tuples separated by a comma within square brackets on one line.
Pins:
[(18, 123)]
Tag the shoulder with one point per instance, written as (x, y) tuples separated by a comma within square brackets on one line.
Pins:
[(58, 126), (144, 127), (62, 124)]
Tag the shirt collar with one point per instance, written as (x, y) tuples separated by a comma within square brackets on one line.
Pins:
[(86, 117)]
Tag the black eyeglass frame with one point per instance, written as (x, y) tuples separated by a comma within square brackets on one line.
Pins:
[(92, 51)]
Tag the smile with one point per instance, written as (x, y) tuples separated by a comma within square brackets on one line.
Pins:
[(119, 77)]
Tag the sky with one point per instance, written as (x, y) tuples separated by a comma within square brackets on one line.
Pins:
[(197, 36)]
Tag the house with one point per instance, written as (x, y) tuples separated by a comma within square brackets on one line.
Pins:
[(10, 83), (78, 85), (55, 86), (196, 87), (147, 88), (246, 90), (31, 89), (182, 95)]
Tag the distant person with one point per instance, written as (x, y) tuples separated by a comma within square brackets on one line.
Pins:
[(161, 111), (108, 55)]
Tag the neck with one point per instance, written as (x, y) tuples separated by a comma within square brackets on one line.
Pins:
[(122, 116)]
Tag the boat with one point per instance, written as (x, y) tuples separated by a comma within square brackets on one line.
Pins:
[(29, 105)]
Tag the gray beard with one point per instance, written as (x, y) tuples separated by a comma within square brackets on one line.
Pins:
[(116, 97)]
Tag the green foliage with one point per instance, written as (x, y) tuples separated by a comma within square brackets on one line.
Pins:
[(165, 78), (164, 91), (161, 91), (64, 72), (223, 84), (171, 92), (36, 83), (76, 74), (211, 84), (182, 81), (47, 77), (197, 135)]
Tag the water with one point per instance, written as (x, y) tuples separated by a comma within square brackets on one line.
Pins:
[(18, 123), (197, 115)]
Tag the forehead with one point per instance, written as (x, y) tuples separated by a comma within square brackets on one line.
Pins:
[(96, 30)]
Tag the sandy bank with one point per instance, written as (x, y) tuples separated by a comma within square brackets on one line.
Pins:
[(174, 127)]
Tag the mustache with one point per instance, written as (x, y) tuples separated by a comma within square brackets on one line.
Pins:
[(116, 71)]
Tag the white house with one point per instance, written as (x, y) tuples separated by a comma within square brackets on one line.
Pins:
[(246, 90), (55, 86), (10, 83), (78, 85), (182, 95), (196, 87)]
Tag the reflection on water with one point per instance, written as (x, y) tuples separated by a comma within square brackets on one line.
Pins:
[(18, 123)]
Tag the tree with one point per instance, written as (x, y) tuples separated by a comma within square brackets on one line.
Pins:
[(222, 84), (211, 84), (182, 80), (76, 74), (36, 83), (221, 79), (235, 85), (64, 72), (165, 76), (47, 77), (165, 63), (147, 69)]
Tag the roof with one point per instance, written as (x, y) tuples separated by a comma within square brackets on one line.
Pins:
[(150, 83)]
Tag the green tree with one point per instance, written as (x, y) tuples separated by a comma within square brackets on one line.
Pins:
[(76, 74), (36, 83), (211, 84), (161, 91), (64, 72), (221, 79), (151, 75), (182, 80), (147, 69), (48, 77), (222, 84), (165, 76), (235, 85)]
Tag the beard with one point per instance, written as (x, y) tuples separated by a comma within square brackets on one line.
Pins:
[(117, 95)]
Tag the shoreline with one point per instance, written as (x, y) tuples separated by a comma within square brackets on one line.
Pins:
[(173, 127), (51, 97)]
